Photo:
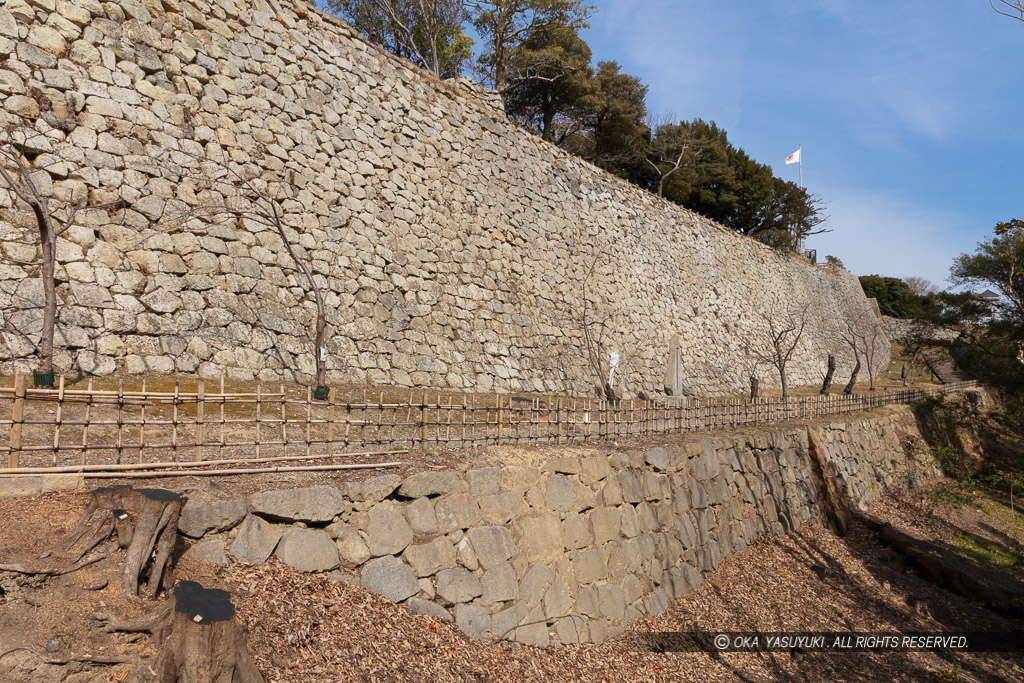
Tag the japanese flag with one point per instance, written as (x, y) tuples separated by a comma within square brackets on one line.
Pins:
[(794, 158)]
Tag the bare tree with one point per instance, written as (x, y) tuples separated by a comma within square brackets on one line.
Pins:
[(424, 30), (672, 149), (920, 286), (777, 338), (503, 25), (752, 364), (826, 383), (864, 336), (591, 328), (1009, 8), (18, 145), (230, 195)]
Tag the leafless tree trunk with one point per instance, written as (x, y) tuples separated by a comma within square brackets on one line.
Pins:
[(777, 339), (436, 17), (826, 385), (248, 202), (853, 378), (595, 329), (672, 149), (862, 335), (16, 173)]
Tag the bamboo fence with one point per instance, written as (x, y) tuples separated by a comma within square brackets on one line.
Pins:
[(87, 429)]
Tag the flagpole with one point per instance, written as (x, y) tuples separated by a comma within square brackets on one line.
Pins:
[(801, 148)]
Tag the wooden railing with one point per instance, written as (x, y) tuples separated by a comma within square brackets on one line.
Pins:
[(80, 429)]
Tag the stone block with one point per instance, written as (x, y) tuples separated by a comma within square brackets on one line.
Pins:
[(501, 508), (533, 630), (456, 586), (590, 565), (611, 601), (561, 465), (389, 577), (560, 493), (428, 609), (352, 548), (313, 505), (605, 522), (430, 484), (475, 621), (534, 583), (387, 531), (256, 540), (374, 489), (540, 537), (308, 550), (421, 516), (200, 517), (457, 511), (517, 477), (657, 458), (427, 559), (576, 530), (594, 469), (208, 552), (493, 545), (499, 584), (483, 481), (557, 601)]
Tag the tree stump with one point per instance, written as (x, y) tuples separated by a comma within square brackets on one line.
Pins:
[(207, 643), (145, 522)]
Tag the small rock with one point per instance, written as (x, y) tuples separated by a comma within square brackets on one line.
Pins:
[(45, 554), (96, 585), (52, 646)]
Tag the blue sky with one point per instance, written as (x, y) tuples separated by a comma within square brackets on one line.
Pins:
[(909, 112)]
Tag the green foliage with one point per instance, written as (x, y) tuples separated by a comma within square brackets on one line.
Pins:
[(724, 183), (552, 102), (532, 53), (834, 261), (506, 25), (612, 130), (428, 33), (998, 263)]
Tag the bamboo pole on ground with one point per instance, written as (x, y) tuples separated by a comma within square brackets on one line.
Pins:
[(81, 469), (219, 473)]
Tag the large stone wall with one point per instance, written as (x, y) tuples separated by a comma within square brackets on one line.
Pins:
[(453, 247), (568, 549)]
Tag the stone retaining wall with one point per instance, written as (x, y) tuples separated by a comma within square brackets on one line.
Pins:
[(453, 247), (570, 550)]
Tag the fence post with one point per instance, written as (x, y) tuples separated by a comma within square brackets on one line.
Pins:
[(331, 399), (200, 406), (500, 418), (17, 418), (558, 420), (423, 419)]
